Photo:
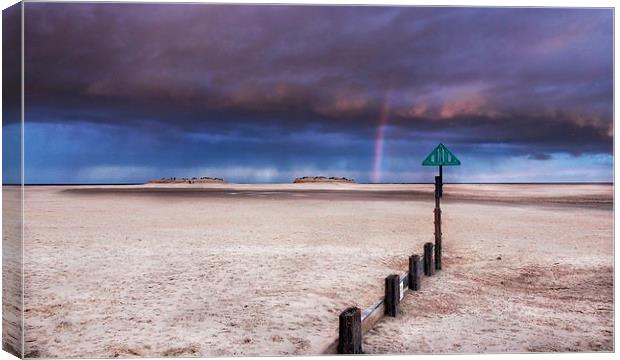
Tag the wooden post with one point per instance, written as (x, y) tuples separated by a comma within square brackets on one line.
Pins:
[(392, 295), (438, 195), (438, 238), (429, 263), (437, 213), (438, 189), (414, 272), (350, 331)]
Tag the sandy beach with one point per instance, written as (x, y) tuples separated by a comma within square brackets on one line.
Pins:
[(220, 269), (12, 270)]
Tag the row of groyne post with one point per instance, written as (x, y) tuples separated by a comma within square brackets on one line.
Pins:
[(353, 322)]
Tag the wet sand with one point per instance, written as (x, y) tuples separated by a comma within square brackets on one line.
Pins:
[(208, 270)]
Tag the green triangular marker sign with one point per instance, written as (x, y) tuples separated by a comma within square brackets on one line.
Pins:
[(441, 156)]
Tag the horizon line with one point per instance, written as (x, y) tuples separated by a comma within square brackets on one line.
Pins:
[(355, 183)]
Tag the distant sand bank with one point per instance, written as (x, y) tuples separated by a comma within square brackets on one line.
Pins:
[(193, 180), (322, 179)]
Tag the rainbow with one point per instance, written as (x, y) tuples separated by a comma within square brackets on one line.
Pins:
[(379, 139)]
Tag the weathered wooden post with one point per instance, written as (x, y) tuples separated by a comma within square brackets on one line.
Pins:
[(438, 194), (429, 263), (440, 156), (350, 331), (414, 272), (392, 295)]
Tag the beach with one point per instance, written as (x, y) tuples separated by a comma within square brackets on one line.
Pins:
[(12, 269), (225, 270)]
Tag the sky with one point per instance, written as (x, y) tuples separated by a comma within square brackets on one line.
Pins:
[(120, 93)]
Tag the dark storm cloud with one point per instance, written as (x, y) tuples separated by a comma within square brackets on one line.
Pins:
[(538, 78), (11, 63)]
